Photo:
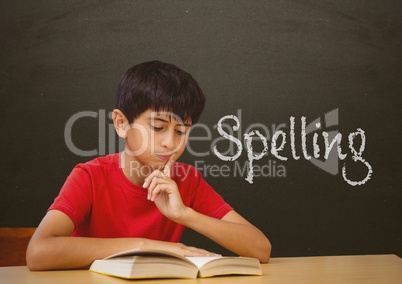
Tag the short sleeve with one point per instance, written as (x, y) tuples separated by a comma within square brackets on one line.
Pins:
[(75, 197), (209, 202), (204, 199)]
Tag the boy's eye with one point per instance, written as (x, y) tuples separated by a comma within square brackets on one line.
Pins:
[(178, 131), (155, 128), (181, 132)]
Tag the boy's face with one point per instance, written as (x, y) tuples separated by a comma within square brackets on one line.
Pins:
[(154, 137)]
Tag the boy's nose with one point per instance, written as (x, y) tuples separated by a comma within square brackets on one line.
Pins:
[(168, 141)]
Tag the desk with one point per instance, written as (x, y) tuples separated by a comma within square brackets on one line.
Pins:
[(364, 269)]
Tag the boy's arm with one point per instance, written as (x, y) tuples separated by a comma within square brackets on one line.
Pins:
[(52, 247), (232, 231)]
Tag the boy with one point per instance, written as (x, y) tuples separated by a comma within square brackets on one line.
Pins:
[(142, 198)]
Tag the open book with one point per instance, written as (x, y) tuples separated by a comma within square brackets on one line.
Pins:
[(137, 263)]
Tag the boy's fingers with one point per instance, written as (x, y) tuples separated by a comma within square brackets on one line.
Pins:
[(150, 178), (156, 184), (151, 183), (157, 173), (166, 170), (154, 193), (168, 166), (193, 251)]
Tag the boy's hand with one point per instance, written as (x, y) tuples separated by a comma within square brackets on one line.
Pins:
[(179, 248), (164, 192)]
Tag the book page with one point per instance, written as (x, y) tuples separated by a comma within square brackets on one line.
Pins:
[(199, 261)]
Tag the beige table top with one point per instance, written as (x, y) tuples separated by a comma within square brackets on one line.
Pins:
[(327, 269)]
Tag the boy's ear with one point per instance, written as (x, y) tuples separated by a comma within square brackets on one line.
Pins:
[(120, 123)]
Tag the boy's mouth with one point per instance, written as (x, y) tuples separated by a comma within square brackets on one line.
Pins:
[(164, 157)]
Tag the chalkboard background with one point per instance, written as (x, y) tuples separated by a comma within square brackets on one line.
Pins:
[(263, 61)]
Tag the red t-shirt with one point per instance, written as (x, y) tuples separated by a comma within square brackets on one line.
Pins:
[(103, 203)]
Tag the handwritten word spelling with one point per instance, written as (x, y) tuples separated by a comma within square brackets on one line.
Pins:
[(276, 149)]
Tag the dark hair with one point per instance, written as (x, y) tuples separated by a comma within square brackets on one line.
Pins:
[(161, 87)]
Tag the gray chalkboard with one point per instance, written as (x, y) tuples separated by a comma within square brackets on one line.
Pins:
[(277, 67)]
